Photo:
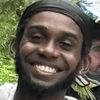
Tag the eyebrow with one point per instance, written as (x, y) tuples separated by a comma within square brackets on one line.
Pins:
[(37, 26), (69, 34)]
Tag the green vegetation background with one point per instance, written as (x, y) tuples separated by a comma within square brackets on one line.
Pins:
[(10, 12)]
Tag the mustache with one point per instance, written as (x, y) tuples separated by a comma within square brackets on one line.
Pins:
[(34, 58)]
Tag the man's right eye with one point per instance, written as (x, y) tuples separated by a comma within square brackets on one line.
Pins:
[(37, 37)]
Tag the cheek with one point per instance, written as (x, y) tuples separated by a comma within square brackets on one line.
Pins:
[(92, 66), (26, 48), (95, 60), (72, 60)]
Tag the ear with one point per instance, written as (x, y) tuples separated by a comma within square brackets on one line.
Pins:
[(13, 48), (85, 63)]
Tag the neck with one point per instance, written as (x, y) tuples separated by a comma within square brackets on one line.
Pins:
[(23, 93)]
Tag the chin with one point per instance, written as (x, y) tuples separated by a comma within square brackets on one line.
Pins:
[(39, 87)]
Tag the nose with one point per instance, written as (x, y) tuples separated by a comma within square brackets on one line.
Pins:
[(48, 51)]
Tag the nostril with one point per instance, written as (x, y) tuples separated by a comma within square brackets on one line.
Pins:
[(48, 53)]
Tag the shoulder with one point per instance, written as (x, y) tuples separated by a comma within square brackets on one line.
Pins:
[(7, 91), (70, 98)]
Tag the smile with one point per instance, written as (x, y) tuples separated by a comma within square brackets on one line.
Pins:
[(43, 69)]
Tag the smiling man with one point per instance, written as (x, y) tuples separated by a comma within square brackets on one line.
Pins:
[(52, 41)]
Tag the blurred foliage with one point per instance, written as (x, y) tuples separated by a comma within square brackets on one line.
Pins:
[(74, 1), (10, 12), (7, 70)]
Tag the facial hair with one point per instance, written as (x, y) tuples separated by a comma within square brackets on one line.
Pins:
[(39, 90)]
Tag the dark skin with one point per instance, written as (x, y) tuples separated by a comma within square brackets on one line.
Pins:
[(95, 60), (50, 51)]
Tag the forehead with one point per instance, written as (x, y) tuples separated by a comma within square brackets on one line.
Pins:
[(55, 21)]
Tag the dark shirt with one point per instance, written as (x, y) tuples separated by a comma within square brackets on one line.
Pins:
[(96, 92)]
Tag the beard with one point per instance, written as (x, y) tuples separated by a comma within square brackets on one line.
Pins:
[(33, 88)]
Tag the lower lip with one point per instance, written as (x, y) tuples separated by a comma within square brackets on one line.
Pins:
[(44, 76)]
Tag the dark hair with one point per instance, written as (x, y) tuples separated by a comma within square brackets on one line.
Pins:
[(96, 34), (73, 11)]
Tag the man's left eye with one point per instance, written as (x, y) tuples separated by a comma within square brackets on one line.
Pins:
[(66, 45)]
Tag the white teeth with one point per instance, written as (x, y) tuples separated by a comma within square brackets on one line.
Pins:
[(46, 69)]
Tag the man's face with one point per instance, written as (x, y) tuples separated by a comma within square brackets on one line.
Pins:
[(95, 60), (50, 50)]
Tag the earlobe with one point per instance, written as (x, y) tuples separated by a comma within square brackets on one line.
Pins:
[(85, 65), (81, 78)]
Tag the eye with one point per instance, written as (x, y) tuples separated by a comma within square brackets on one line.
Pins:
[(36, 36), (66, 45), (96, 48)]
